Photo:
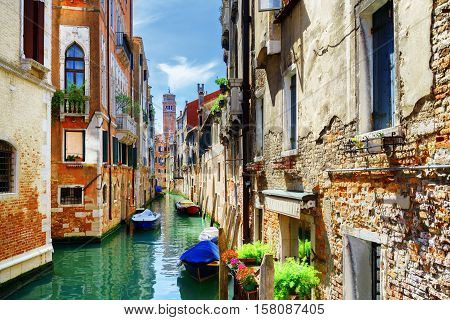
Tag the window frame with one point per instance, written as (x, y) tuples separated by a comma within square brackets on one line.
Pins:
[(14, 188), (64, 152), (72, 186), (75, 72), (365, 69), (259, 130), (288, 149)]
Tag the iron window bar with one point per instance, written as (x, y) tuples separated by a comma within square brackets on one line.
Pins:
[(387, 144)]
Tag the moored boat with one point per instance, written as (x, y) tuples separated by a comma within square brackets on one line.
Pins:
[(211, 234), (202, 260), (187, 207), (146, 219)]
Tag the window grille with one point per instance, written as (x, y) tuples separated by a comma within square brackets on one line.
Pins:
[(71, 196), (6, 167)]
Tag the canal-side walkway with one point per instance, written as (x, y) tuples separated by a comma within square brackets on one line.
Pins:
[(143, 265)]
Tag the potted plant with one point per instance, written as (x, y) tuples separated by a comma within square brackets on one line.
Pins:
[(253, 253), (247, 281), (223, 84), (228, 255), (70, 158), (294, 280)]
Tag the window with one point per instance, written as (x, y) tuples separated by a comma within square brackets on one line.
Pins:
[(115, 150), (7, 156), (259, 127), (71, 196), (74, 66), (74, 148), (290, 112), (269, 5), (383, 67), (304, 243), (123, 153), (362, 269), (33, 30), (105, 146)]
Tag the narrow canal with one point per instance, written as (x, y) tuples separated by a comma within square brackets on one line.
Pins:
[(139, 266)]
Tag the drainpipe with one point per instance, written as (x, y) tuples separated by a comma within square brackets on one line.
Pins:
[(245, 117), (109, 105), (133, 191)]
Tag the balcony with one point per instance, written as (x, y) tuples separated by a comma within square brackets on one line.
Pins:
[(123, 48), (126, 129), (74, 109)]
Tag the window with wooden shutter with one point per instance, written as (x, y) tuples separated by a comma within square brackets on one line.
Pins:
[(115, 150), (135, 158), (383, 67), (33, 30), (130, 156), (105, 146)]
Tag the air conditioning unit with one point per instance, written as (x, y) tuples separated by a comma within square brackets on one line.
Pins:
[(270, 5)]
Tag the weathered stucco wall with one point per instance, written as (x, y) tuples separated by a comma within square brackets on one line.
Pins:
[(25, 242), (406, 210)]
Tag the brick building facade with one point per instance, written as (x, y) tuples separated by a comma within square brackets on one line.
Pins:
[(26, 90), (353, 156), (95, 184)]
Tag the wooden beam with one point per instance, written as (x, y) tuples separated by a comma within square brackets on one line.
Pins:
[(236, 228), (231, 224), (223, 270), (266, 278), (214, 211)]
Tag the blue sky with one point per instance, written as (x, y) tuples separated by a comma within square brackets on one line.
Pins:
[(182, 44)]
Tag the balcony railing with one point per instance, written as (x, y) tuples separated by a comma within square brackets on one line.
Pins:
[(123, 47), (74, 109), (126, 129)]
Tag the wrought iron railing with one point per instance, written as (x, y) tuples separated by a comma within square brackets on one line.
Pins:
[(126, 123)]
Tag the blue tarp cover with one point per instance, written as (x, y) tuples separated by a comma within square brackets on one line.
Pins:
[(203, 252)]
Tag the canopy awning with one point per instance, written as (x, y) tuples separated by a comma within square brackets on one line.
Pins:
[(289, 203)]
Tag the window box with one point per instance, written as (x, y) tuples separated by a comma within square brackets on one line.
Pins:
[(377, 142)]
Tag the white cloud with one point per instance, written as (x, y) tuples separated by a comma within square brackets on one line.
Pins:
[(183, 74)]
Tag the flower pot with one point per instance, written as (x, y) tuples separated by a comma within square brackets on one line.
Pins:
[(248, 261), (223, 88)]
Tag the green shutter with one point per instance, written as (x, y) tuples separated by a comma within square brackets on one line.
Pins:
[(135, 158), (105, 146), (130, 156), (115, 150)]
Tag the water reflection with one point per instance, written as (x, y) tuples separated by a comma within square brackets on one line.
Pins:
[(143, 265)]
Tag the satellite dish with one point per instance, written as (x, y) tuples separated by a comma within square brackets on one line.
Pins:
[(270, 5)]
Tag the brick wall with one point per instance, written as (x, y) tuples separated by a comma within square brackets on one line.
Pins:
[(409, 210)]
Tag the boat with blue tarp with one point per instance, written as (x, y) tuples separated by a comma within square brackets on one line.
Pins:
[(202, 260)]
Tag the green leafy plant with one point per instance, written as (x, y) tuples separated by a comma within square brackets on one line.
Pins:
[(255, 250), (222, 82), (304, 250), (126, 105), (294, 278), (357, 142), (57, 99), (216, 109), (75, 94)]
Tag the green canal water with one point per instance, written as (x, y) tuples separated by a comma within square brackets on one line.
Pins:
[(143, 265)]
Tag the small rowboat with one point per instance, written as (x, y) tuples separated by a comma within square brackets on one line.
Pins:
[(211, 234), (202, 260), (146, 219), (187, 207)]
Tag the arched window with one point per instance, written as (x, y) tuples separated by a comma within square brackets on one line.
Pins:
[(7, 174), (74, 66)]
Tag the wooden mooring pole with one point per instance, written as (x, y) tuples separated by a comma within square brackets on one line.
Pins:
[(223, 270), (266, 278)]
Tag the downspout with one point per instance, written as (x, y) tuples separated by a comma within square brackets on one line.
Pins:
[(245, 118), (133, 191), (109, 105)]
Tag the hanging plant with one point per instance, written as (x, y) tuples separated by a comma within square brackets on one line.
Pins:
[(219, 103), (126, 105), (57, 99), (223, 84)]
